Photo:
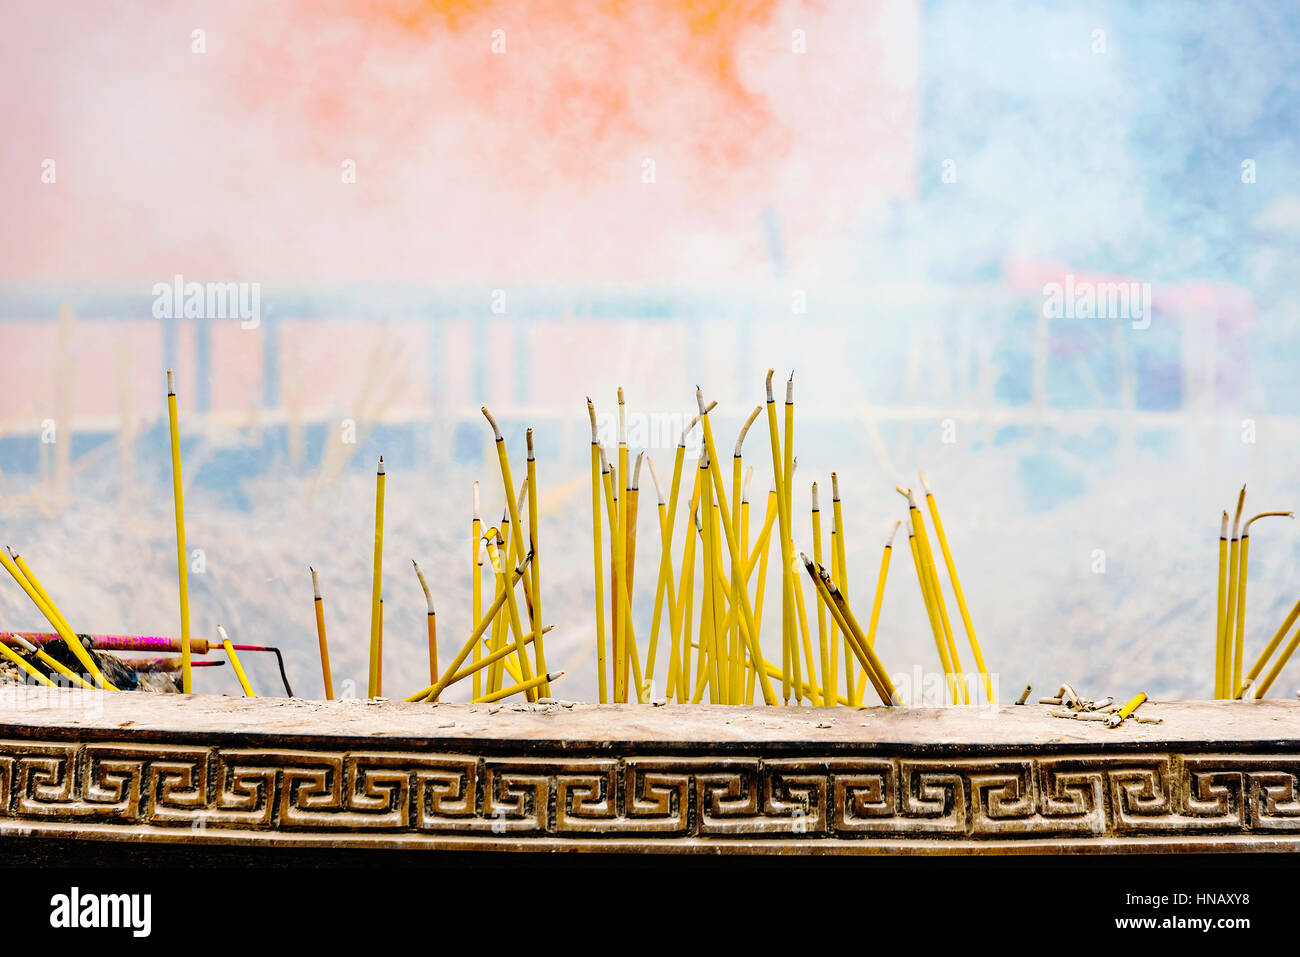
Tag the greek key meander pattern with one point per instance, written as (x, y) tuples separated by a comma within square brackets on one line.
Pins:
[(649, 798)]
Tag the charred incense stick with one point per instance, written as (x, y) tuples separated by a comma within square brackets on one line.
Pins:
[(77, 648), (320, 636), (234, 662), (956, 588), (1237, 686), (57, 621), (432, 622), (374, 681), (24, 664), (508, 486), (1219, 650), (182, 558), (829, 593), (881, 578)]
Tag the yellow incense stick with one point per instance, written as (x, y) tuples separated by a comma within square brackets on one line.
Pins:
[(432, 622), (23, 663), (1219, 650), (783, 528), (679, 677), (836, 604), (936, 591), (508, 484), (929, 611), (320, 636), (182, 559), (787, 482), (1229, 611), (234, 662), (512, 609), (956, 588), (431, 693), (489, 660), (57, 621), (84, 656), (1273, 642), (840, 572), (747, 613), (1282, 659), (885, 556), (376, 577), (528, 687), (663, 587), (598, 551), (830, 659), (1237, 687), (539, 652), (476, 581), (620, 590)]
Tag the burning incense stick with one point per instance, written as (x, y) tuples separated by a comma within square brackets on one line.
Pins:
[(234, 662), (528, 687), (1229, 611), (536, 576), (432, 623), (1219, 649), (182, 559), (956, 588), (374, 680), (320, 636), (508, 486), (1240, 632), (783, 525)]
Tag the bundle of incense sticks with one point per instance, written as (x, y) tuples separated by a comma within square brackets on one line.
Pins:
[(1230, 617), (710, 591)]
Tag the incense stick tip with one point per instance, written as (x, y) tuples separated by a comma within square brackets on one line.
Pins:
[(835, 487), (789, 390), (889, 542), (925, 483), (171, 382), (496, 430)]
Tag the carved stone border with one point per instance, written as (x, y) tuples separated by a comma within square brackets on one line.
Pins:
[(805, 804)]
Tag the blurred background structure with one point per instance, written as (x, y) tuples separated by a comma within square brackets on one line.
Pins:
[(446, 205)]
